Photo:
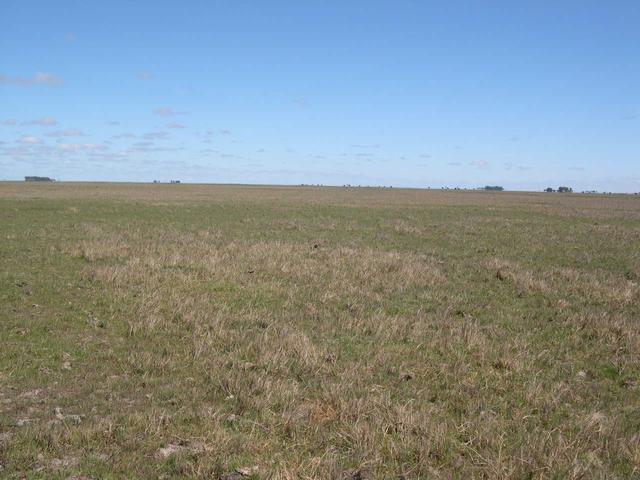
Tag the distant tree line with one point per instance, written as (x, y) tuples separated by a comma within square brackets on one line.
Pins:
[(494, 188), (38, 179), (560, 190)]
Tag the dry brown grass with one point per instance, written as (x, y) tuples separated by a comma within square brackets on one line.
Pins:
[(358, 343)]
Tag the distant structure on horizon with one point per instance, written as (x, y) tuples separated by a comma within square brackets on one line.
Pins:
[(38, 179), (494, 188)]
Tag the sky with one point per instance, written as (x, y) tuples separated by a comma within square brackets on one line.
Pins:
[(524, 94)]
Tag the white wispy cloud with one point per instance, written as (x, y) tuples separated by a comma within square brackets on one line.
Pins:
[(167, 112), (76, 147), (155, 135), (44, 122), (9, 122), (29, 140), (300, 102), (150, 147), (479, 163), (175, 125), (509, 166), (40, 78), (365, 145), (164, 111), (68, 132)]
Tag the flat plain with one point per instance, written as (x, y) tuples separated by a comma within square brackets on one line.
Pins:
[(212, 331)]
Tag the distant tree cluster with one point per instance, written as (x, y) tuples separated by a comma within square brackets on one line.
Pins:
[(38, 179), (494, 188), (560, 190)]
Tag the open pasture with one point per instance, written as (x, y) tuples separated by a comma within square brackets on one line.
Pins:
[(215, 331)]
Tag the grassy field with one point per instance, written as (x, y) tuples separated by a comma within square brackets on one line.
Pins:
[(171, 331)]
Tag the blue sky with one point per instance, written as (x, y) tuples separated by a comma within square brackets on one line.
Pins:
[(403, 93)]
